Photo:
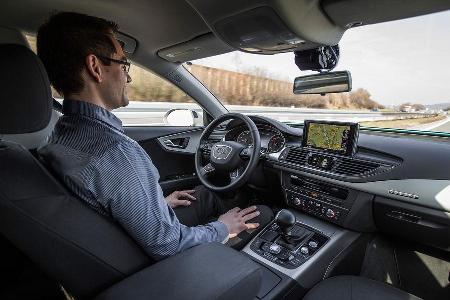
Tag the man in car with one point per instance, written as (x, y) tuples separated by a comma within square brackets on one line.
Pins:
[(89, 151)]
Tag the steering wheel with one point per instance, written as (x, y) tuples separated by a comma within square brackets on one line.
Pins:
[(228, 157)]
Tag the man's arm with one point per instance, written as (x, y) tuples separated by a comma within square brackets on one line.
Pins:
[(128, 182)]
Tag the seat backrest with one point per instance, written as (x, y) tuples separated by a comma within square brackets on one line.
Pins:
[(72, 243), (37, 138)]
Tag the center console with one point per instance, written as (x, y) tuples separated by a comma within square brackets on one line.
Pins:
[(320, 234), (287, 243), (299, 248)]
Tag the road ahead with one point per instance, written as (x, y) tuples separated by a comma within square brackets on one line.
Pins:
[(144, 113), (443, 127)]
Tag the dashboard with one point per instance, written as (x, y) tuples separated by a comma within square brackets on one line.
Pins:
[(399, 184)]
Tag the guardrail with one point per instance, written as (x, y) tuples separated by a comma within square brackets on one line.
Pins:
[(145, 113)]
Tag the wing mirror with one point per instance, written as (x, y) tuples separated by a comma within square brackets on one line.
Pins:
[(181, 117)]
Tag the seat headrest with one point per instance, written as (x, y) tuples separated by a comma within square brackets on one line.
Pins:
[(26, 98)]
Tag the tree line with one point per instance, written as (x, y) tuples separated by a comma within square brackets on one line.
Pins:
[(243, 89)]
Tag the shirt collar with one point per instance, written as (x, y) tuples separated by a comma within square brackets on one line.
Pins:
[(78, 107)]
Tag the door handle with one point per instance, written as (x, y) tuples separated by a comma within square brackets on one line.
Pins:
[(180, 143)]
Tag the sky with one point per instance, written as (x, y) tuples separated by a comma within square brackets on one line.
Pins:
[(397, 62)]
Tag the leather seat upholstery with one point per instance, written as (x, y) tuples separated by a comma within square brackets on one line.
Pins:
[(34, 139), (356, 288), (72, 243)]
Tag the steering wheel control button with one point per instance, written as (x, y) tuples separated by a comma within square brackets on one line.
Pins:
[(246, 152), (208, 168), (234, 174)]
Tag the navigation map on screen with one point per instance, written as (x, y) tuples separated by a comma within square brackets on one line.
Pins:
[(328, 136)]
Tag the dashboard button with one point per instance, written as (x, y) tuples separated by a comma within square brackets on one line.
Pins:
[(304, 250), (275, 248), (313, 244)]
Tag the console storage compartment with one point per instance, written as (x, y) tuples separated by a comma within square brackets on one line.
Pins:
[(209, 271)]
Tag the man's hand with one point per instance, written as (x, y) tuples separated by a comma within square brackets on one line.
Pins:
[(180, 198), (235, 220)]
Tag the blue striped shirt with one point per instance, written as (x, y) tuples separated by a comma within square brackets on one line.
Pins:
[(111, 172)]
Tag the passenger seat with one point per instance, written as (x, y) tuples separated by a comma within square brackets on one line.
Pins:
[(355, 288)]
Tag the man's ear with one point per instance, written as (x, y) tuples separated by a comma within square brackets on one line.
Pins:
[(93, 67)]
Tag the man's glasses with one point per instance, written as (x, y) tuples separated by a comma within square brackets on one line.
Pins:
[(125, 64)]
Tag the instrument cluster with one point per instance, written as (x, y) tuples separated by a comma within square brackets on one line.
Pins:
[(272, 140)]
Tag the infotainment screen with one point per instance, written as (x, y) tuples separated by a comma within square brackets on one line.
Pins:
[(337, 137)]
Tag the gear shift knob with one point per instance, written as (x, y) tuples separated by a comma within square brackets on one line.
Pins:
[(285, 220)]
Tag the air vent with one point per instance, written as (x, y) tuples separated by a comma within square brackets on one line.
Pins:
[(296, 156), (354, 167)]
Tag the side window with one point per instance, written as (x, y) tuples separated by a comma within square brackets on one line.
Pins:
[(156, 101), (153, 101)]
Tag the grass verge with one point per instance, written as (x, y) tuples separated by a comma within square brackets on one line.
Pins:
[(402, 123)]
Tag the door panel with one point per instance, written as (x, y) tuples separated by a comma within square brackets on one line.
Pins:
[(174, 163)]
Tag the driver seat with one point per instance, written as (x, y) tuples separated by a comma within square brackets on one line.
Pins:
[(83, 250)]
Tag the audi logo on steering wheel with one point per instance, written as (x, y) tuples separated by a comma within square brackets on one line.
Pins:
[(221, 151)]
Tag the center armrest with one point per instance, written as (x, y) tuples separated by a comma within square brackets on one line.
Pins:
[(209, 271)]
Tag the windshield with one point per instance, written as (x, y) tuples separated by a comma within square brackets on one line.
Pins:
[(400, 72)]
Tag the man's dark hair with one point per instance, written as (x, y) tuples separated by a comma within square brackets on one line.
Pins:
[(65, 40)]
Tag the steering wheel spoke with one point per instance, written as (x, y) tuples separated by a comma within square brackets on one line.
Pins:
[(246, 152), (236, 173), (207, 170)]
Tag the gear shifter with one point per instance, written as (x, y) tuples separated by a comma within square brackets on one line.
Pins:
[(286, 242), (285, 220), (290, 238)]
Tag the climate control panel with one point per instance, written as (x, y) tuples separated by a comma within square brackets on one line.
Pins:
[(318, 208), (316, 198)]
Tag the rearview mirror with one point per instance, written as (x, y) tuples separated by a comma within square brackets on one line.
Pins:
[(323, 83)]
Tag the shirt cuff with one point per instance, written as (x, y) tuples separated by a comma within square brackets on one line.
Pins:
[(222, 231)]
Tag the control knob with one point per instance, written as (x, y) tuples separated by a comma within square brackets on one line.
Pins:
[(304, 250), (313, 244), (330, 213)]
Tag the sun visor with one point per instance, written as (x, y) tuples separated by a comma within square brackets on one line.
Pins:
[(352, 13), (203, 46), (271, 26), (260, 31)]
